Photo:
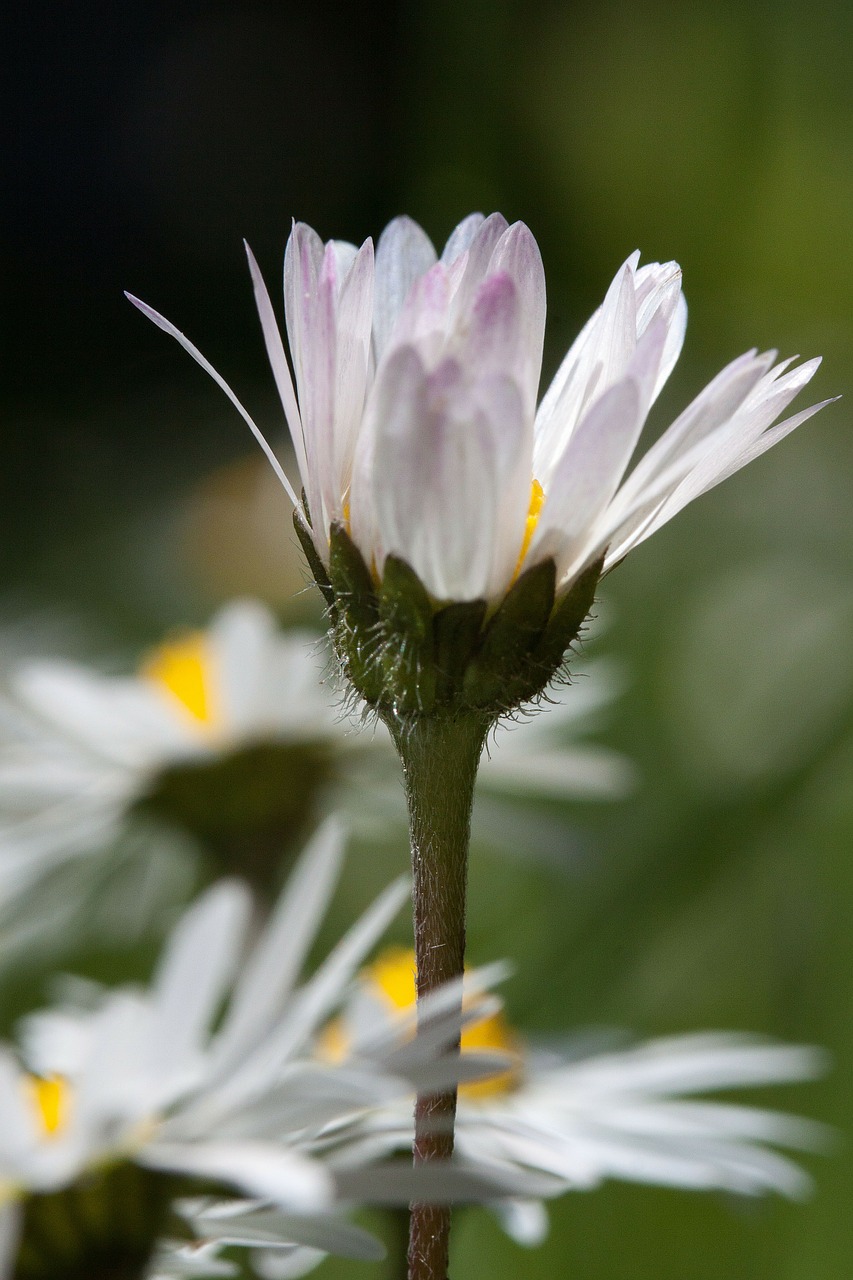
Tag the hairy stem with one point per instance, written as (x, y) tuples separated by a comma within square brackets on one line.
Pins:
[(440, 756)]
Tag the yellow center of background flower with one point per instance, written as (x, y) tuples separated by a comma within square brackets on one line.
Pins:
[(391, 977), (537, 501), (50, 1098), (184, 670)]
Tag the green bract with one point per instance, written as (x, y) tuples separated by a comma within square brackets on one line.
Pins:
[(408, 655)]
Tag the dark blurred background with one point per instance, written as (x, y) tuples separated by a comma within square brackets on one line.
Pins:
[(146, 139)]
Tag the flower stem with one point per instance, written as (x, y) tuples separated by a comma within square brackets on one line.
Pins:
[(440, 756)]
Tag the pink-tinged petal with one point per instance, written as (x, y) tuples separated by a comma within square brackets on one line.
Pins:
[(461, 237), (587, 474), (434, 483), (510, 445), (404, 253), (303, 259), (517, 253), (424, 318), (476, 266), (167, 327), (597, 359), (278, 361), (491, 342), (354, 315), (317, 392)]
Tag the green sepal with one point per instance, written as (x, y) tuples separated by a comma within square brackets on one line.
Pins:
[(510, 638), (456, 630), (356, 633), (315, 564), (406, 615), (566, 621)]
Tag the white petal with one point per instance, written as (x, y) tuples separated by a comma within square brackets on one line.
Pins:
[(517, 253), (257, 1168), (353, 324), (588, 473), (278, 362), (721, 464), (445, 449), (525, 1221), (460, 238), (598, 358), (198, 964), (270, 973), (404, 253), (659, 289), (271, 1227)]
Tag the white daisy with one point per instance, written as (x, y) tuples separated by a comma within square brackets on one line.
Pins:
[(155, 1079), (79, 750), (231, 735), (414, 417), (580, 1116)]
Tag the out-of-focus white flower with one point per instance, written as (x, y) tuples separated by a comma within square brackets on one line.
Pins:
[(82, 753), (78, 749), (158, 1078), (581, 1117), (414, 418)]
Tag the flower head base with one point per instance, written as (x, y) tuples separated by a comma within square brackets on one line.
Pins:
[(430, 480), (407, 654)]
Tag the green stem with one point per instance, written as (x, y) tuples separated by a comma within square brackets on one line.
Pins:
[(440, 757)]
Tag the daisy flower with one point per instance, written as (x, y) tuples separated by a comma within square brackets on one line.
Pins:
[(231, 735), (227, 733), (135, 1096), (418, 442), (580, 1116), (148, 1091)]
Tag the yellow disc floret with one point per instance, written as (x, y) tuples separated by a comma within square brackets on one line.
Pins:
[(537, 501), (184, 670), (50, 1097), (391, 977)]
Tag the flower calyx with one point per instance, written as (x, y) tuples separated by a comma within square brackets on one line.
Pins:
[(408, 655)]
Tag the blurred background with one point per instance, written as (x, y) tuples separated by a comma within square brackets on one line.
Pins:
[(146, 139)]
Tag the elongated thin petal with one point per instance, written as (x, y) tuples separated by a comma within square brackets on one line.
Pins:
[(257, 1168), (198, 965), (278, 362), (274, 966), (167, 327)]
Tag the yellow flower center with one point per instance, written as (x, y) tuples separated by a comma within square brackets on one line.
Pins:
[(183, 669), (50, 1098), (391, 977), (537, 501)]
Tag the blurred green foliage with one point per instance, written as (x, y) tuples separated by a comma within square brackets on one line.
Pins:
[(720, 894)]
